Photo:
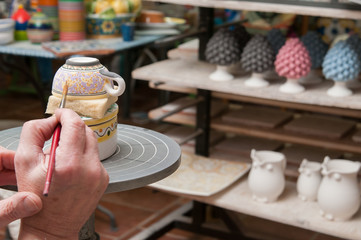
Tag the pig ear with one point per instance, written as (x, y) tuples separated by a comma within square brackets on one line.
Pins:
[(253, 153), (269, 167), (336, 176)]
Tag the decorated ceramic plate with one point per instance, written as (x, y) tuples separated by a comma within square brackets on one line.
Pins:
[(202, 176), (168, 23)]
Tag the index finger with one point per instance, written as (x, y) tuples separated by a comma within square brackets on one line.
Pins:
[(6, 159), (7, 166), (72, 136), (33, 136)]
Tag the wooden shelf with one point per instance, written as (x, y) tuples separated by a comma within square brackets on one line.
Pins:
[(320, 9), (185, 116), (288, 209), (279, 134), (190, 75)]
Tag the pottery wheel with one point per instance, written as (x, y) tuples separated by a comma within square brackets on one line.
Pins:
[(142, 157)]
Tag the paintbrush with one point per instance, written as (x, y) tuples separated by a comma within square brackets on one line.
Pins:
[(54, 145)]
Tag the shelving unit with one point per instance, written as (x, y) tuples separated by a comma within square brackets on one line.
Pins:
[(190, 75), (330, 8)]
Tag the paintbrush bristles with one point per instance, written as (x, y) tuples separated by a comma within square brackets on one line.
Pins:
[(65, 88), (65, 92)]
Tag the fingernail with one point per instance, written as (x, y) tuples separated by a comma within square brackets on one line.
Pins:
[(30, 205)]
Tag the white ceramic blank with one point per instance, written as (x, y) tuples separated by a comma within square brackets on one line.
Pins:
[(291, 86), (339, 194), (221, 74), (339, 89), (256, 81), (266, 179), (309, 180)]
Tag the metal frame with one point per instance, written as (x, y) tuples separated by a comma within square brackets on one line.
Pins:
[(321, 4), (196, 221)]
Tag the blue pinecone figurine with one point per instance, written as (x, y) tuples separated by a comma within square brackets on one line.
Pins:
[(341, 64)]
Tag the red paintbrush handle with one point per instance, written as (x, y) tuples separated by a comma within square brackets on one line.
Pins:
[(51, 167)]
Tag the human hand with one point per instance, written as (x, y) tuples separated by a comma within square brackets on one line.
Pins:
[(19, 205), (78, 182)]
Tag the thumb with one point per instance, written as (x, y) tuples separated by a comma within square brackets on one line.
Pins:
[(20, 205)]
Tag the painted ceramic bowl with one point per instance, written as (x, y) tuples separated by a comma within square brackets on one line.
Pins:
[(39, 28), (99, 28), (106, 131), (7, 27), (87, 79)]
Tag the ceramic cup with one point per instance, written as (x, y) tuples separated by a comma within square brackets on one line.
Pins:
[(105, 130), (309, 180), (86, 79), (266, 179), (128, 31), (339, 193)]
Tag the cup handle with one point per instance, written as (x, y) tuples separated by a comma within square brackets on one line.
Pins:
[(114, 77)]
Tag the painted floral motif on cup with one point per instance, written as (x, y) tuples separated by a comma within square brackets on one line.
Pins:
[(80, 82)]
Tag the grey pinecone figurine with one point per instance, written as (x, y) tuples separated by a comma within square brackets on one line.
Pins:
[(223, 48), (242, 35), (355, 41), (315, 47), (257, 55), (276, 39)]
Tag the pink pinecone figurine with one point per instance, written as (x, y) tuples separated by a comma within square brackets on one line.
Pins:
[(293, 62)]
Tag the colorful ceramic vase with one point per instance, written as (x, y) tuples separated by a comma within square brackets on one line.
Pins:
[(292, 62), (266, 179), (341, 64), (50, 9), (71, 20), (257, 57), (105, 130), (223, 50), (40, 28), (339, 192), (86, 79), (21, 18), (309, 180)]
